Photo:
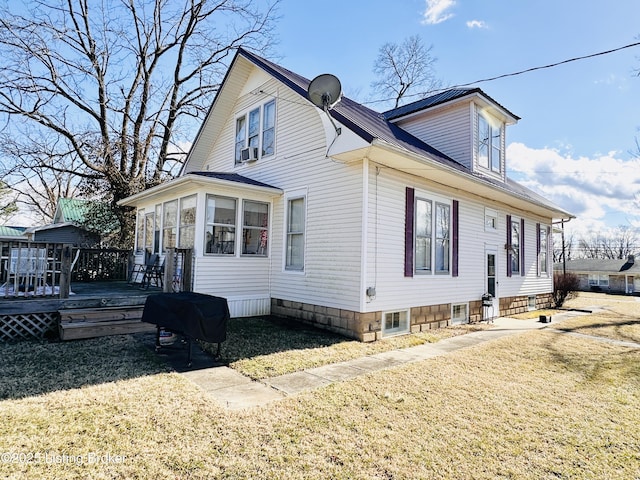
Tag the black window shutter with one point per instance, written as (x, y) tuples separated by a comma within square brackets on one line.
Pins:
[(522, 269), (509, 255), (408, 232), (454, 238)]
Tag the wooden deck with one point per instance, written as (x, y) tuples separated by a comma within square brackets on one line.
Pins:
[(94, 309)]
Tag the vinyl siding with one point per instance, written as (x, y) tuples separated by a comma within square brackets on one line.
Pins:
[(385, 250), (333, 206), (448, 130)]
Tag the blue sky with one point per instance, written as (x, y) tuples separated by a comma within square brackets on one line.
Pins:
[(579, 121)]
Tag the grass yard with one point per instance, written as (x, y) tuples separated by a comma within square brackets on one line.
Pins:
[(260, 348), (538, 405)]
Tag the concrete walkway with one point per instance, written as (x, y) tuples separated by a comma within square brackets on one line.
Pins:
[(236, 392)]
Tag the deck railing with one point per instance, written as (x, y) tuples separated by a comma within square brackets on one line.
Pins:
[(44, 269)]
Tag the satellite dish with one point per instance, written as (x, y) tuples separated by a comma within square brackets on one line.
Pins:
[(325, 91)]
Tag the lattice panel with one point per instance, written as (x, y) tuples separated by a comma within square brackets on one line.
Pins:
[(29, 325)]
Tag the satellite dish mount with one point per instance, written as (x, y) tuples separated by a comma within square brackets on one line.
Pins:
[(325, 91)]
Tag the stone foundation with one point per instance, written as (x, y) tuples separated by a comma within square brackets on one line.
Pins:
[(367, 327), (520, 304)]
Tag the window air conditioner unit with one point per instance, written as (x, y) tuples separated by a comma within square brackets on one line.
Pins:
[(249, 154)]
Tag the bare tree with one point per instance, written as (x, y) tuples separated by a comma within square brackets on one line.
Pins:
[(7, 203), (116, 87), (617, 244), (405, 68)]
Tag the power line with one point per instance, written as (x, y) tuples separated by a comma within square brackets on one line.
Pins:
[(513, 74), (532, 69)]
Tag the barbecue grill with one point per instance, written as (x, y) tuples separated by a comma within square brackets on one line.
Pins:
[(193, 315)]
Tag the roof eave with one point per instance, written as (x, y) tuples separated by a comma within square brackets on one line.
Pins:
[(483, 188), (197, 180)]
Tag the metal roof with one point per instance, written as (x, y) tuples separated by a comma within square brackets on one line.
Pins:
[(439, 99), (233, 177), (601, 265), (371, 125)]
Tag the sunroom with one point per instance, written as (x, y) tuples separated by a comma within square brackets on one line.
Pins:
[(224, 218)]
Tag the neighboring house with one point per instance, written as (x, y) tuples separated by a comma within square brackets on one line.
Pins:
[(364, 223), (13, 233), (605, 275), (71, 224)]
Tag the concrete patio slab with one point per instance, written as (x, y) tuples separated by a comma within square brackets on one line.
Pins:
[(216, 378)]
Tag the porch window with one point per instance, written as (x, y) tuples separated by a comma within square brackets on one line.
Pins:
[(255, 228), (220, 228), (187, 221), (156, 228), (395, 322), (295, 234), (148, 231), (169, 224), (140, 231)]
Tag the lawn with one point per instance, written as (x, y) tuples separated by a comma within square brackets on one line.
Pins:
[(536, 405)]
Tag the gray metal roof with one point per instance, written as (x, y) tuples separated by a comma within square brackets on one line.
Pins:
[(601, 265), (371, 125), (437, 99), (232, 177)]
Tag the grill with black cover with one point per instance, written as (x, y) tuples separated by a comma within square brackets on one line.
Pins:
[(194, 315)]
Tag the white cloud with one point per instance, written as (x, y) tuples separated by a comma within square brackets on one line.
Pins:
[(436, 11), (477, 24), (602, 190)]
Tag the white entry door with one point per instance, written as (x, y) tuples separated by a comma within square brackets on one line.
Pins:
[(491, 282)]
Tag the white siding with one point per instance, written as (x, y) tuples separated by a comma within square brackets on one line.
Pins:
[(334, 206), (385, 266), (449, 130)]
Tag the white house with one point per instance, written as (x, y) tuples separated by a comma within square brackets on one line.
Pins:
[(364, 223)]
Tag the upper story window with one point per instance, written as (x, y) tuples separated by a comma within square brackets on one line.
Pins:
[(255, 133), (489, 143)]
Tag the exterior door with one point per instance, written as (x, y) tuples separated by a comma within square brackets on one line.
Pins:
[(491, 282)]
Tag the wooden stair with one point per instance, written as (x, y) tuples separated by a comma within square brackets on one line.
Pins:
[(77, 323)]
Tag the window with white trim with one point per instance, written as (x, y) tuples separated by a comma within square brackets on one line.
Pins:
[(531, 302), (256, 130), (459, 313), (169, 224), (255, 228), (489, 143), (187, 227), (140, 224), (432, 236), (515, 246), (543, 256), (490, 220), (294, 257), (598, 280), (148, 231), (394, 323), (220, 225), (157, 220)]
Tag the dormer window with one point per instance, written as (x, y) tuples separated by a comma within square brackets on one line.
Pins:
[(489, 143), (255, 133)]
